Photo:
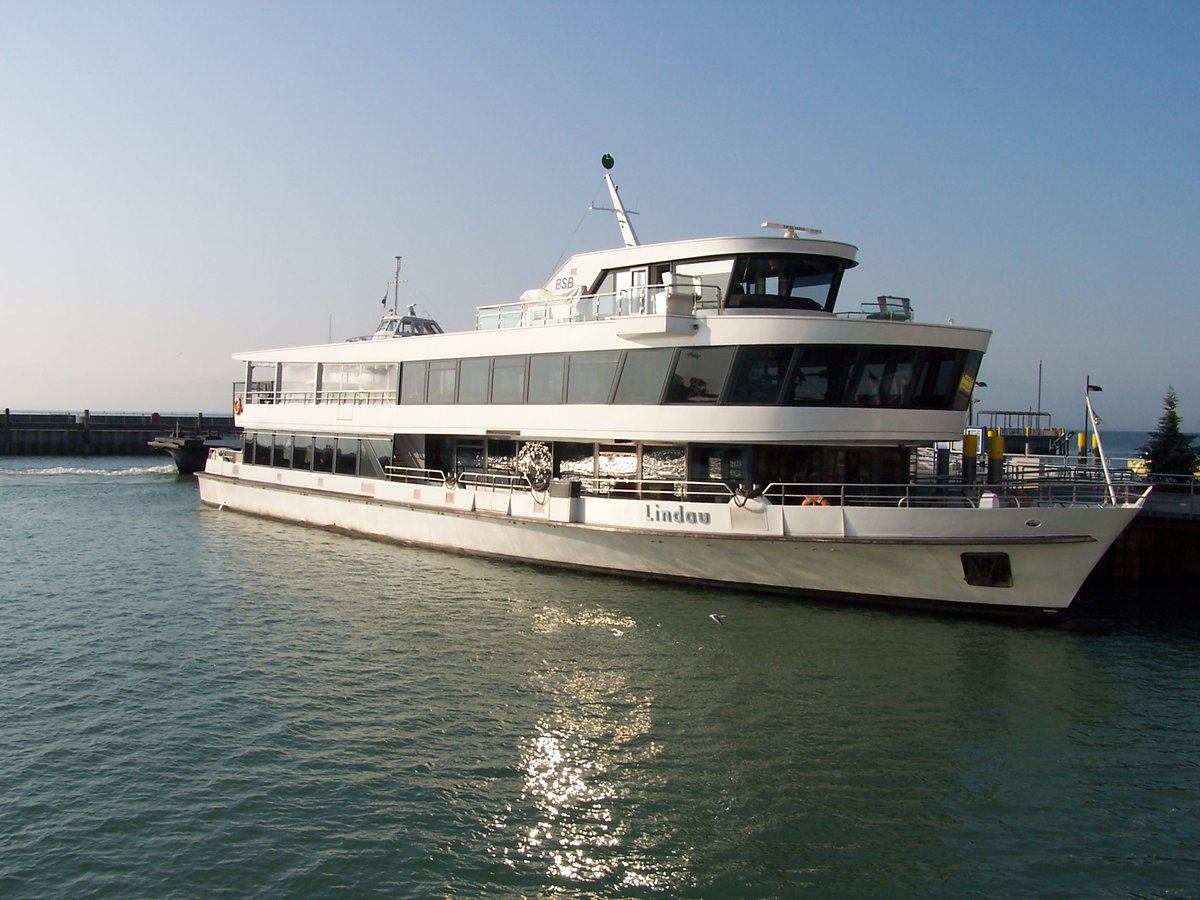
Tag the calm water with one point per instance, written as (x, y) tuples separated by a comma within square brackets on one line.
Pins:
[(197, 703)]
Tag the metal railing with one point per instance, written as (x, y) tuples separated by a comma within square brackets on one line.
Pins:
[(637, 301)]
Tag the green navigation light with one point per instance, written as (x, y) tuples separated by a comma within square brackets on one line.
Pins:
[(606, 160)]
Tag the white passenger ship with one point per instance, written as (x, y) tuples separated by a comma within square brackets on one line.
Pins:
[(692, 410)]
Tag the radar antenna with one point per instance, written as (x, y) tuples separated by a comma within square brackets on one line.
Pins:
[(791, 231)]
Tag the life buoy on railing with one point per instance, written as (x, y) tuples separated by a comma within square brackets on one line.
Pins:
[(237, 406), (815, 500)]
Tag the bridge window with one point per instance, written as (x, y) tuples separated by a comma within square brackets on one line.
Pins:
[(785, 282)]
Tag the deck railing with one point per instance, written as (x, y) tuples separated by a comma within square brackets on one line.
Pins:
[(637, 301), (933, 494)]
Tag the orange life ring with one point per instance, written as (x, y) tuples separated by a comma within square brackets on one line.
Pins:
[(237, 406), (815, 500)]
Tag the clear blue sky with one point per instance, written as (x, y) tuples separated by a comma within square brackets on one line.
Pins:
[(182, 180)]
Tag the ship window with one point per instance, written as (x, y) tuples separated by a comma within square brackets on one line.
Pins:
[(501, 456), (263, 448), (884, 376), (617, 462), (790, 281), (508, 379), (412, 382), (473, 380), (574, 459), (379, 381), (938, 374), (819, 378), (374, 455), (704, 282), (590, 376), (699, 375), (546, 378), (346, 461), (644, 375), (322, 453), (759, 375), (664, 463), (439, 454), (728, 465), (302, 451), (966, 384), (249, 446), (443, 374), (468, 456), (261, 388), (297, 383), (281, 456), (987, 569)]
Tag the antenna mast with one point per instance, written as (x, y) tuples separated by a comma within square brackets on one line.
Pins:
[(627, 232), (396, 291)]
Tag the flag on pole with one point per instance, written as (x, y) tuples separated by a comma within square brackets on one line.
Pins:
[(384, 300)]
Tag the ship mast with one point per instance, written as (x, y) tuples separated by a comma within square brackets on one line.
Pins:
[(396, 290), (627, 232)]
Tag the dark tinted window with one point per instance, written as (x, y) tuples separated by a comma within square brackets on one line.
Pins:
[(938, 373), (759, 375), (302, 452), (820, 375), (323, 453), (699, 375), (643, 376), (347, 456), (884, 376)]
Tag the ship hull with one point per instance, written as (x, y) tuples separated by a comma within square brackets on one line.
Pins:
[(910, 557)]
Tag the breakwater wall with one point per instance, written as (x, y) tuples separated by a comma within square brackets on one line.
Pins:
[(100, 434)]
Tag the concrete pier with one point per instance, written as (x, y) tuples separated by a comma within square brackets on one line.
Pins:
[(102, 434)]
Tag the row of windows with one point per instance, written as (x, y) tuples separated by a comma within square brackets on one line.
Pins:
[(759, 375), (593, 463), (367, 457)]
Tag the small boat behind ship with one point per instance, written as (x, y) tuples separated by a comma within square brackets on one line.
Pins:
[(693, 410), (190, 451)]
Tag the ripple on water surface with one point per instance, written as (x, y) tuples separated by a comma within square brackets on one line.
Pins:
[(197, 702)]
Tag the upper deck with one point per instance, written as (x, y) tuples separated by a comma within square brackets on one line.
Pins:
[(706, 276)]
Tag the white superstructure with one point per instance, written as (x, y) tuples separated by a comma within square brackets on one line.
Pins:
[(692, 410)]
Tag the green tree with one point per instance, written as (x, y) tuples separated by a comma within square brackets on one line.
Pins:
[(1170, 451)]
